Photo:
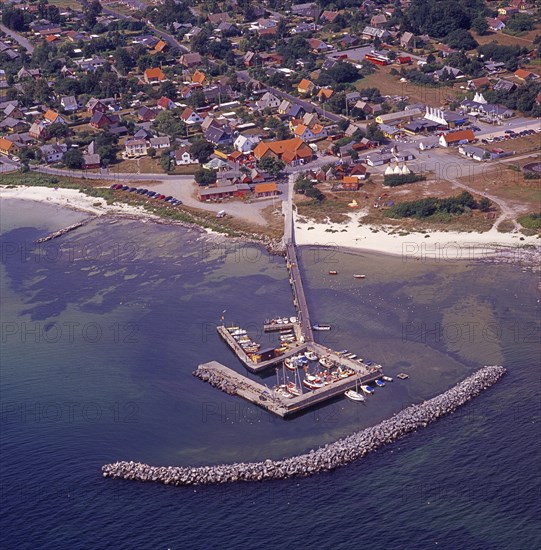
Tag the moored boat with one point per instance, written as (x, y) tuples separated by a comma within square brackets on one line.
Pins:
[(319, 326), (313, 384), (359, 276), (367, 389), (387, 378), (354, 395), (380, 383), (311, 356)]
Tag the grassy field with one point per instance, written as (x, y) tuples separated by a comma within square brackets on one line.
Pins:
[(520, 145), (506, 39), (64, 4), (374, 199), (390, 85), (147, 165)]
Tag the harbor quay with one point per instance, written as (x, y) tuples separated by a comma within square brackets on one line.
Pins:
[(234, 383)]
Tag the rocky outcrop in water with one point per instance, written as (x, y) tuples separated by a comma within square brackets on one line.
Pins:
[(326, 458)]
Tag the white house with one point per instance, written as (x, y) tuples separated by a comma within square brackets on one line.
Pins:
[(268, 101), (245, 144), (183, 156), (53, 153), (189, 116)]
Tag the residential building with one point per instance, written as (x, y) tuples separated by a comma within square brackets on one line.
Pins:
[(457, 138), (183, 156), (266, 190), (136, 147), (154, 75), (292, 151), (190, 117), (305, 86), (53, 153)]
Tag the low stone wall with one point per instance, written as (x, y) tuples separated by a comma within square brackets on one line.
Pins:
[(326, 458)]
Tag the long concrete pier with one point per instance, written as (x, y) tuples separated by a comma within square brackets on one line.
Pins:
[(299, 298)]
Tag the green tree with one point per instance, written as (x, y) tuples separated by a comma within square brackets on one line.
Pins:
[(271, 165), (201, 150), (204, 177), (480, 25), (73, 158), (169, 123)]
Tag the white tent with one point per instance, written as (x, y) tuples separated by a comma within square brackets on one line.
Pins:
[(389, 171), (397, 170), (405, 170)]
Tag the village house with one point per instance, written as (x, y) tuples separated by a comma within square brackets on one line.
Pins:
[(313, 133), (324, 94), (495, 24), (136, 148), (457, 138), (266, 190), (190, 60), (8, 148), (407, 40), (183, 156), (378, 20), (525, 76), (305, 86), (52, 117), (268, 101), (69, 103), (245, 144), (38, 130), (94, 105), (164, 103), (101, 120), (190, 117), (144, 114), (162, 142), (369, 33), (91, 161), (399, 116), (224, 192), (292, 151), (53, 153), (198, 77), (154, 75)]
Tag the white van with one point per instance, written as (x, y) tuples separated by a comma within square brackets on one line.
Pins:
[(221, 214)]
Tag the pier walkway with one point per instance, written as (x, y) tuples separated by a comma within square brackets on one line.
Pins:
[(299, 298)]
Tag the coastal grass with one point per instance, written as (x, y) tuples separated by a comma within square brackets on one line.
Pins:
[(531, 223)]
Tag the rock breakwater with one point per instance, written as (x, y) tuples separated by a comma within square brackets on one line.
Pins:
[(325, 458)]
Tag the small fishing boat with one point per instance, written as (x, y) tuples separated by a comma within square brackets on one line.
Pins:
[(310, 355), (342, 352), (292, 319), (319, 326), (402, 376), (354, 395), (380, 383), (313, 384), (332, 272), (387, 378), (351, 356), (290, 363), (367, 389), (326, 362), (359, 276)]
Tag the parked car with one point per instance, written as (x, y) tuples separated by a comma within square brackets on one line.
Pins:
[(124, 188), (132, 189)]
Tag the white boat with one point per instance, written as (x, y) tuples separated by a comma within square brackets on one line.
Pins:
[(380, 383), (319, 326), (359, 276), (326, 362), (351, 356), (290, 363), (239, 332), (367, 389), (311, 356), (293, 389), (387, 378), (292, 319), (354, 395)]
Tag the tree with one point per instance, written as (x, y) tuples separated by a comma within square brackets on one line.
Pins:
[(166, 162), (58, 130), (204, 177), (201, 149), (480, 25), (91, 10), (124, 62), (167, 122), (271, 165), (373, 133), (73, 158), (168, 89), (197, 99), (484, 204)]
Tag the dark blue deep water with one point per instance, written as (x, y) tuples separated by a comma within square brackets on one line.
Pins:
[(102, 328)]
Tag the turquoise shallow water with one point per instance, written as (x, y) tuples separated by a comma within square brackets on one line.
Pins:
[(100, 333)]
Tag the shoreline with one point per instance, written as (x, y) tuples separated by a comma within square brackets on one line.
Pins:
[(76, 200), (349, 237)]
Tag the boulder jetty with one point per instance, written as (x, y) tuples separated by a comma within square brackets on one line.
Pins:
[(329, 457)]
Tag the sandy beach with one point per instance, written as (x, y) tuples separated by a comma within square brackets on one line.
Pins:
[(449, 245), (71, 198)]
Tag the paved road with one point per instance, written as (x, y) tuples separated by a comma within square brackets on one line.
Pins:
[(18, 38)]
